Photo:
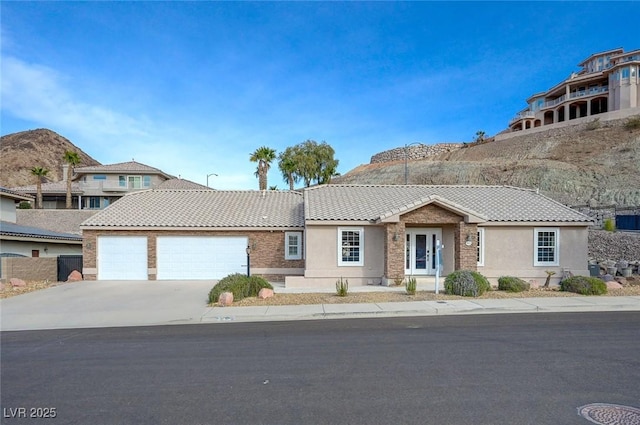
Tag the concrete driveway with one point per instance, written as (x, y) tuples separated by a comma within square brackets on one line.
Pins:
[(107, 303)]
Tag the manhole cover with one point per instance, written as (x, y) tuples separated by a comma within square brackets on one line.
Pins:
[(610, 414)]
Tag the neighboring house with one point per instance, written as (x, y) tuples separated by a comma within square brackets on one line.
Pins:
[(96, 187), (608, 81), (30, 241), (366, 234)]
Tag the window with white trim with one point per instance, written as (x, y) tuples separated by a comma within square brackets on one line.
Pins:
[(480, 255), (350, 246), (546, 247), (292, 245)]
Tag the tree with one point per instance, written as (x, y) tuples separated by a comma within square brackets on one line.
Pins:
[(40, 173), (287, 165), (480, 135), (315, 162), (73, 159), (263, 156)]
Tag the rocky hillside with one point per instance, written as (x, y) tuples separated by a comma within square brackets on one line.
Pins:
[(19, 152), (593, 162)]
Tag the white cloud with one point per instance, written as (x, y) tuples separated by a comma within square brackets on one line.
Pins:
[(37, 93)]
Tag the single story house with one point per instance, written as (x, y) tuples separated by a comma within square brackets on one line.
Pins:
[(368, 234)]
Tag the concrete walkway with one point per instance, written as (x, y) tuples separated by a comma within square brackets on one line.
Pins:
[(113, 304)]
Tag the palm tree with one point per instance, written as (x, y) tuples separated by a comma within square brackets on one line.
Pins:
[(287, 165), (72, 158), (40, 173), (263, 156)]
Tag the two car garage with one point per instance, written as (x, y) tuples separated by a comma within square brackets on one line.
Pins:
[(177, 257)]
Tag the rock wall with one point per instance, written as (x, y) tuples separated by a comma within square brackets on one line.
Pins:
[(614, 246), (30, 268), (414, 152)]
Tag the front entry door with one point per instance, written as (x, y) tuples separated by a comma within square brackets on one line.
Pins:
[(420, 251)]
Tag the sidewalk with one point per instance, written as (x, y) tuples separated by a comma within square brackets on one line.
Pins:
[(100, 304), (422, 308)]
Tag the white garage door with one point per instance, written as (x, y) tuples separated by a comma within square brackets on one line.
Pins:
[(122, 258), (200, 257)]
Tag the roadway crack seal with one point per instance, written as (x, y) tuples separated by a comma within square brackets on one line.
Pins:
[(609, 414)]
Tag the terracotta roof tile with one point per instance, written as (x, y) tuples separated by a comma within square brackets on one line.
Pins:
[(372, 202), (203, 208)]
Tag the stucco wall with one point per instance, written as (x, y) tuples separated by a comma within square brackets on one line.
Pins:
[(267, 250), (322, 255), (510, 251), (52, 249), (7, 209)]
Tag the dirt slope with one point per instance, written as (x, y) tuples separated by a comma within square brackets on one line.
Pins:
[(574, 165), (19, 152)]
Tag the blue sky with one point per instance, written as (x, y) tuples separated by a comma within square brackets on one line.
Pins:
[(193, 88)]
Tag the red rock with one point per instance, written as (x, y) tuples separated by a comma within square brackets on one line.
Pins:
[(534, 284), (225, 299), (613, 285), (17, 282), (265, 293), (75, 276)]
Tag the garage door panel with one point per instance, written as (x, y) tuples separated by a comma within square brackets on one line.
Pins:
[(199, 257), (122, 258)]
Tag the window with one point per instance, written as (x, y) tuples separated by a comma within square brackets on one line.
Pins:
[(625, 72), (546, 243), (100, 177), (122, 181), (480, 254), (94, 202), (135, 182), (292, 245), (146, 181), (350, 246)]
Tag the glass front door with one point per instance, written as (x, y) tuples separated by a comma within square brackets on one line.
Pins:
[(420, 251)]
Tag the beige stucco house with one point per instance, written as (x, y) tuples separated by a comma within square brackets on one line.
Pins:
[(96, 187), (366, 234), (608, 81)]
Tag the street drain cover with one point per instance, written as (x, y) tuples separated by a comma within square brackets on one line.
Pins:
[(610, 414)]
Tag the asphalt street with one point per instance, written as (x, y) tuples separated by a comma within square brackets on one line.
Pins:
[(485, 369)]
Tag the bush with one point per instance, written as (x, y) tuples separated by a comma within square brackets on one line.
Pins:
[(411, 285), (584, 285), (241, 286), (632, 123), (24, 205), (466, 283), (512, 284), (609, 225), (342, 287)]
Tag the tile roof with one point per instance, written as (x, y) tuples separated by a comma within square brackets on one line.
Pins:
[(181, 184), (495, 203), (9, 193), (65, 221), (12, 229), (121, 167), (203, 208)]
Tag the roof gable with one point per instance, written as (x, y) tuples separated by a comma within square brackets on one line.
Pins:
[(469, 216), (121, 167)]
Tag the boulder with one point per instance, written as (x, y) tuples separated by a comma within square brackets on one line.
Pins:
[(225, 299), (265, 293), (622, 281), (613, 285), (607, 278), (14, 281), (534, 284), (75, 276)]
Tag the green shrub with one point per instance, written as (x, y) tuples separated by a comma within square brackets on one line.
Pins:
[(584, 285), (632, 123), (411, 285), (342, 287), (241, 286), (466, 283), (24, 205), (512, 284), (609, 225)]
